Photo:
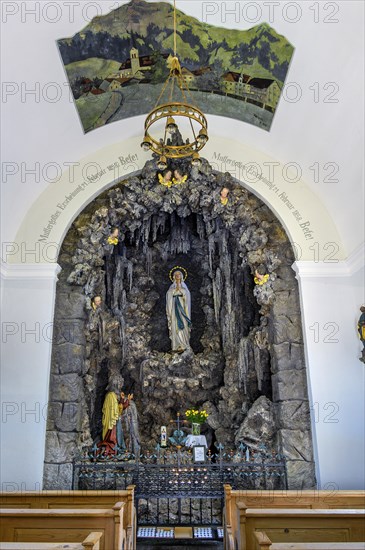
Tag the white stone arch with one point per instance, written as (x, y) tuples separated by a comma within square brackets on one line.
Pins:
[(30, 276), (63, 200)]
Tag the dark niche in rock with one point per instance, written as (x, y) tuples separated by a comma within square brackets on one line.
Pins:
[(243, 334), (157, 281)]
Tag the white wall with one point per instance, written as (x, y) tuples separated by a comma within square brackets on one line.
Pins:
[(304, 132), (329, 294), (27, 326), (330, 310)]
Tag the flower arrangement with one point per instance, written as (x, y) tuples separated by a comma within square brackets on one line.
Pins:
[(196, 417)]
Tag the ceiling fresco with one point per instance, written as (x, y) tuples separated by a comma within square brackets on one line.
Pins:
[(118, 63)]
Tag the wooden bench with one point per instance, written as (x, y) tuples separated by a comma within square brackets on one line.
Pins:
[(92, 542), (311, 499), (296, 499), (298, 525), (264, 543), (68, 525), (78, 499)]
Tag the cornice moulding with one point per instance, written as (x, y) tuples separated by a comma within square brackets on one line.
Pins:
[(356, 260), (346, 268), (303, 269), (17, 272)]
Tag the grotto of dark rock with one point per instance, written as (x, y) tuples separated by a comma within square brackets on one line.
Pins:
[(246, 363)]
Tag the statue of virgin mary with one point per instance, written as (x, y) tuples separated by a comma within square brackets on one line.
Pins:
[(178, 313)]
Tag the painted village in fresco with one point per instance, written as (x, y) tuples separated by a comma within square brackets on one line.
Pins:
[(117, 65)]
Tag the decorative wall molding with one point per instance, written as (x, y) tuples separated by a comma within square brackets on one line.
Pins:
[(332, 269), (303, 269), (39, 271), (356, 260)]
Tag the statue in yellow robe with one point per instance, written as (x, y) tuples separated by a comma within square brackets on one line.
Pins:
[(111, 412), (120, 423), (112, 435)]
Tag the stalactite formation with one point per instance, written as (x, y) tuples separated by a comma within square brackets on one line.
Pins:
[(237, 338)]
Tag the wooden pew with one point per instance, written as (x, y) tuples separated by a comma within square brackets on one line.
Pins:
[(40, 546), (296, 499), (299, 525), (78, 499), (286, 499), (264, 543), (68, 525), (92, 542)]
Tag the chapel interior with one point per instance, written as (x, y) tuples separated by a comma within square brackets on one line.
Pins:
[(182, 275)]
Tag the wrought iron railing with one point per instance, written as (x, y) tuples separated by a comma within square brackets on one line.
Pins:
[(172, 489), (173, 472)]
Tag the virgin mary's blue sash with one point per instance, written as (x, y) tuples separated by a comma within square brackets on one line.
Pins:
[(180, 312)]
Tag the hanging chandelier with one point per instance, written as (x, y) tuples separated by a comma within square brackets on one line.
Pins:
[(175, 129)]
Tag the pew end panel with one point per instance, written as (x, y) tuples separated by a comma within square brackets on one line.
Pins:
[(279, 499), (52, 499), (92, 542), (68, 525), (303, 526), (264, 543)]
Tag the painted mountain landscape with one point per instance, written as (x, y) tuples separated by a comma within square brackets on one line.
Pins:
[(116, 66)]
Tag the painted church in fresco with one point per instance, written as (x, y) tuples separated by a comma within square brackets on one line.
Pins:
[(116, 66)]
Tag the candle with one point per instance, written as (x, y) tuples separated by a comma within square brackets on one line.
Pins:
[(163, 436)]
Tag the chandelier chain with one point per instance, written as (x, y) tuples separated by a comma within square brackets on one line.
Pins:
[(172, 89), (173, 110), (188, 91), (192, 129), (175, 47), (162, 92)]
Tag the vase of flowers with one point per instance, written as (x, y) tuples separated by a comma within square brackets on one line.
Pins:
[(195, 428), (196, 418)]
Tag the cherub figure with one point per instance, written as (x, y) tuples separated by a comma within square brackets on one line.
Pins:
[(96, 302), (166, 178), (179, 178), (224, 195), (260, 279), (114, 236), (116, 242)]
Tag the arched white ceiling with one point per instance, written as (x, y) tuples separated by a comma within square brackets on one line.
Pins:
[(304, 218), (40, 134)]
